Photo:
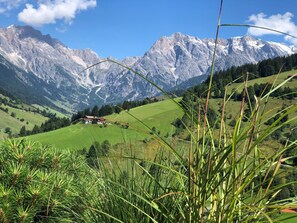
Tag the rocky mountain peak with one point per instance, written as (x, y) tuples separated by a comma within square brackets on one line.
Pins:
[(171, 61), (164, 43), (24, 32), (178, 37), (248, 38)]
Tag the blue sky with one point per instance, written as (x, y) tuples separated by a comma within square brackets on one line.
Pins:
[(121, 28)]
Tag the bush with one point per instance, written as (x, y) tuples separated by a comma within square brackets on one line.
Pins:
[(97, 150), (40, 185), (7, 130)]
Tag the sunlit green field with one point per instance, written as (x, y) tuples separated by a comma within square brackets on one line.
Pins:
[(50, 110), (159, 115), (14, 123), (81, 136), (273, 79)]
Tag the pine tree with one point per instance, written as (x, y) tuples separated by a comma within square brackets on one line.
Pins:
[(95, 111), (23, 131)]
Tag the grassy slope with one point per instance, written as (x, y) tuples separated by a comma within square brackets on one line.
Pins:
[(159, 115), (48, 109), (30, 118), (233, 111), (78, 136), (15, 124), (270, 79), (274, 104)]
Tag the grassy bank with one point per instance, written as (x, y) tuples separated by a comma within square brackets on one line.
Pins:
[(122, 128)]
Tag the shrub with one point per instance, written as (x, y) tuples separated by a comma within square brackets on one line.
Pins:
[(38, 184), (97, 150), (7, 130)]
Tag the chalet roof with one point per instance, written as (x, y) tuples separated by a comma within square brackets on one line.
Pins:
[(93, 117)]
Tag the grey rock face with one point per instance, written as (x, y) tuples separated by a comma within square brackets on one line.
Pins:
[(169, 62)]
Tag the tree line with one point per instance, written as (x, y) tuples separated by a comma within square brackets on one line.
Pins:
[(109, 109), (262, 89), (52, 123), (238, 74)]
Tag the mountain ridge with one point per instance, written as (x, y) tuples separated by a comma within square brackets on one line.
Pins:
[(169, 62)]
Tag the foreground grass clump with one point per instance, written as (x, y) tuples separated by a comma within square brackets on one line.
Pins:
[(38, 184), (222, 174)]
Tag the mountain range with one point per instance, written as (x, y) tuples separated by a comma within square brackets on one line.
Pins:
[(41, 69)]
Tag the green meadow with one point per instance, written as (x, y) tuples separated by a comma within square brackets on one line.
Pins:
[(159, 115), (273, 79), (80, 136), (22, 118), (50, 110)]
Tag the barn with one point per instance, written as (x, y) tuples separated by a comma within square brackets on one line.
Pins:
[(93, 120)]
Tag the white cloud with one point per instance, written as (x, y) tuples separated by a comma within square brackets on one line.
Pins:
[(278, 22), (49, 11), (7, 5)]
